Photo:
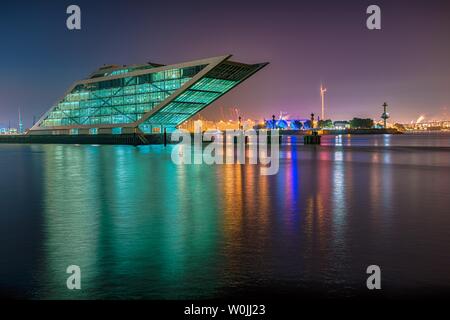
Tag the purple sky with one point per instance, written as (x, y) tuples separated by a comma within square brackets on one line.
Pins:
[(406, 63)]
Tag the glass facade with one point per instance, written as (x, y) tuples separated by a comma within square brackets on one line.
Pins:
[(191, 101), (143, 97), (118, 101)]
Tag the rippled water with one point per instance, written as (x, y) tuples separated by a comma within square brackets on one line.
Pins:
[(141, 227)]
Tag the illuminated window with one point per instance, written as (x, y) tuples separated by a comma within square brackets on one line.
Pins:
[(116, 130), (93, 131), (146, 128)]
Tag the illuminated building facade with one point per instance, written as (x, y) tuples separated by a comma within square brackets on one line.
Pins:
[(288, 124), (145, 98)]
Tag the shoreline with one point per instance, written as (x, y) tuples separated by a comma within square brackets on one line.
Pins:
[(155, 139), (338, 132)]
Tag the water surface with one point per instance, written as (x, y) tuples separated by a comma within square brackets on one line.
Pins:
[(140, 226)]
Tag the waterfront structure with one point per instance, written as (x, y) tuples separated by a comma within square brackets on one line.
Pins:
[(148, 98), (385, 115), (288, 124)]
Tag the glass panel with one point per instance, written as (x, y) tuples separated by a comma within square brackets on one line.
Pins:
[(116, 130), (190, 102)]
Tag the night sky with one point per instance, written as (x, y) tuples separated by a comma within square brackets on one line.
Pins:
[(407, 63)]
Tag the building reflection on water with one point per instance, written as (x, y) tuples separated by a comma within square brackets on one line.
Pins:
[(140, 226), (127, 222)]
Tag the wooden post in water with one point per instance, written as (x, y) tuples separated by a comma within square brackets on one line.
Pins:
[(314, 138), (165, 137)]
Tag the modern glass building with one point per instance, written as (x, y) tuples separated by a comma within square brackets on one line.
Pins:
[(142, 98)]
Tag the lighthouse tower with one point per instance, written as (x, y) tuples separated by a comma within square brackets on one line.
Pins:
[(385, 114)]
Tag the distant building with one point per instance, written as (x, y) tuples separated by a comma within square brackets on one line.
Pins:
[(341, 125), (288, 124), (8, 131), (438, 125)]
